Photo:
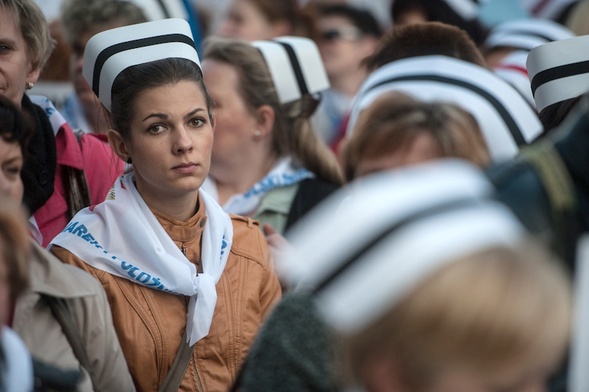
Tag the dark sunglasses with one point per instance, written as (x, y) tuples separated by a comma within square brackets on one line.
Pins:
[(347, 33)]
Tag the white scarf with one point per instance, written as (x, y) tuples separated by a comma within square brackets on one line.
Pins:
[(124, 238), (282, 174)]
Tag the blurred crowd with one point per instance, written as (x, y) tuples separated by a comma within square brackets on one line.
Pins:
[(294, 195)]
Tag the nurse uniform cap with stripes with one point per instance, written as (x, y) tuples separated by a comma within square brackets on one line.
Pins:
[(295, 66), (559, 70), (512, 68), (506, 120), (526, 34), (408, 224), (112, 51)]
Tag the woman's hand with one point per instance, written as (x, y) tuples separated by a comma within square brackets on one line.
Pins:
[(278, 247)]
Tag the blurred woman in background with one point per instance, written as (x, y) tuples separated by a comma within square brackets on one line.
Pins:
[(267, 161)]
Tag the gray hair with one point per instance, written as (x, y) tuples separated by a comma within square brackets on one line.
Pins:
[(79, 17)]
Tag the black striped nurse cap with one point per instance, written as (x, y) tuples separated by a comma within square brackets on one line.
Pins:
[(112, 51), (295, 66), (526, 34), (506, 120), (411, 222), (559, 70)]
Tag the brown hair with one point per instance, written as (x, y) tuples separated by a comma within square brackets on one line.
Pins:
[(425, 39), (484, 311), (394, 120), (292, 132), (14, 246)]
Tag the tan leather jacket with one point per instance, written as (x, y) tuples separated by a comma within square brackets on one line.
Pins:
[(150, 324), (44, 336)]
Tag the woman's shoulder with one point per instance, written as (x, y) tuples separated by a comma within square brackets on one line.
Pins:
[(248, 240)]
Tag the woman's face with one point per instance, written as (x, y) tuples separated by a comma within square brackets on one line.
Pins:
[(170, 141), (11, 162), (526, 376), (530, 373), (235, 124), (16, 69), (244, 20)]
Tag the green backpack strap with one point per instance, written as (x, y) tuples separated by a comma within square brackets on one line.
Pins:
[(559, 188)]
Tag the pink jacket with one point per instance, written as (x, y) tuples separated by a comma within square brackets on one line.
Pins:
[(91, 154)]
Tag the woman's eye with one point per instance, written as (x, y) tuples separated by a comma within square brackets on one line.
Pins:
[(12, 171), (157, 128), (197, 122)]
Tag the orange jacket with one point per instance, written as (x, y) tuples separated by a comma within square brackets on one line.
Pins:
[(150, 324)]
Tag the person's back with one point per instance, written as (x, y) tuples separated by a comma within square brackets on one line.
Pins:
[(392, 314), (86, 315), (547, 185)]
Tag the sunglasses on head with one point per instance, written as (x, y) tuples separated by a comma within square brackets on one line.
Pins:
[(348, 33)]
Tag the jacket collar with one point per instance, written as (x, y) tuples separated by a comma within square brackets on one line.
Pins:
[(50, 276)]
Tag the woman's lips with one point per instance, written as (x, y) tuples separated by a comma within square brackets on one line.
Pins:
[(185, 168)]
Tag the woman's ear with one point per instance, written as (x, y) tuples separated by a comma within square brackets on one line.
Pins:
[(34, 74), (266, 117), (117, 143)]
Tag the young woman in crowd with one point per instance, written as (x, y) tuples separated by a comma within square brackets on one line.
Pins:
[(188, 284), (267, 162)]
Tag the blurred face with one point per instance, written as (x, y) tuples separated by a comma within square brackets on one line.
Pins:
[(422, 149), (89, 100), (244, 20), (170, 141), (528, 374), (11, 162), (15, 67), (341, 45), (234, 122), (410, 17)]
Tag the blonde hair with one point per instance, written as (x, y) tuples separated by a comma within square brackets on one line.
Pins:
[(33, 27), (394, 120), (483, 311), (14, 245), (292, 133)]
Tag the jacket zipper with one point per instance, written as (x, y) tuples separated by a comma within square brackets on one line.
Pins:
[(200, 388)]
